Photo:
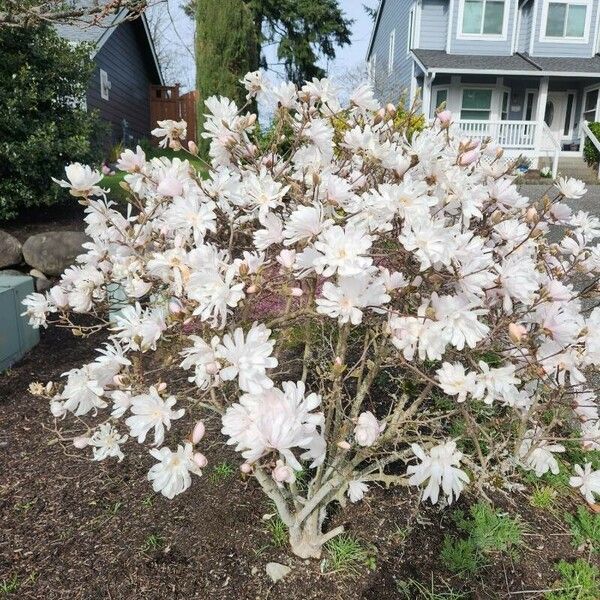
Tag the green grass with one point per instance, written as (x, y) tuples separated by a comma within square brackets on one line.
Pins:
[(543, 497), (414, 590), (487, 532), (345, 554), (153, 543), (277, 531), (221, 472), (10, 586), (579, 581), (585, 529)]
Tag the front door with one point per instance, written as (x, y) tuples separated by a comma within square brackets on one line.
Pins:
[(555, 113)]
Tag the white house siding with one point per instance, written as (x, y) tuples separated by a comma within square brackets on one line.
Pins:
[(434, 24), (541, 48), (483, 46), (390, 86)]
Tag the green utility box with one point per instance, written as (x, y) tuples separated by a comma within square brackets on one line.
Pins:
[(16, 335)]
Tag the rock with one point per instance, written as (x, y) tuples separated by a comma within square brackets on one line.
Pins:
[(10, 250), (42, 283), (54, 251), (277, 571)]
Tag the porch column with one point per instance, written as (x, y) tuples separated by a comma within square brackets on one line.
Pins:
[(426, 102), (540, 111)]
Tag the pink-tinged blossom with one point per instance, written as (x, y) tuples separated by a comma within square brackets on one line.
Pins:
[(172, 474)]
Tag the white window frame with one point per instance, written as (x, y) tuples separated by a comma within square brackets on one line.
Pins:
[(494, 110), (566, 40), (505, 90), (586, 90), (372, 68), (414, 35), (508, 5), (105, 85), (391, 51), (528, 91), (434, 92)]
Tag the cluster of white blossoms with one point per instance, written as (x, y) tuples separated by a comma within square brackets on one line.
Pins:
[(339, 291)]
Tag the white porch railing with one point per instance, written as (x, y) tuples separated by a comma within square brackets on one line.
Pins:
[(587, 132), (530, 138)]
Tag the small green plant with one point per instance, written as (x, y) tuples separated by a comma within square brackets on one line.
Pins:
[(413, 590), (488, 532), (590, 152), (585, 529), (277, 531), (579, 581), (148, 501), (113, 509), (9, 586), (461, 556), (346, 554), (153, 543), (543, 497), (25, 506), (221, 472)]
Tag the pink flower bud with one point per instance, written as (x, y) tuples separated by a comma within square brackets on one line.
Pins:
[(531, 214), (212, 368), (81, 442), (338, 361), (282, 473), (175, 306), (246, 468), (516, 332), (252, 289), (200, 459), (296, 292), (286, 258), (192, 147), (344, 445), (468, 158), (161, 387), (445, 118), (198, 432)]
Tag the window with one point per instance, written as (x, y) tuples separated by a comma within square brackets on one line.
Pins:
[(566, 19), (505, 104), (569, 114), (476, 104), (590, 105), (391, 48), (105, 85), (483, 17), (530, 100), (439, 96), (411, 30), (371, 68)]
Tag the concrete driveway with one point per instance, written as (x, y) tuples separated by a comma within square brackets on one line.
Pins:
[(590, 202)]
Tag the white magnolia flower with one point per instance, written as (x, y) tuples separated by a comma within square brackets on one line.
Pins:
[(82, 392), (357, 490), (248, 358), (571, 188), (538, 455), (455, 381), (587, 480), (140, 329), (278, 421), (305, 223), (106, 442), (440, 468), (171, 475), (37, 308), (132, 161), (342, 250), (202, 357), (150, 411), (171, 131), (368, 429), (83, 181)]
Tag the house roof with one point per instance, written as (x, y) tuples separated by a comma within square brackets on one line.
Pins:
[(95, 31), (375, 26), (439, 61)]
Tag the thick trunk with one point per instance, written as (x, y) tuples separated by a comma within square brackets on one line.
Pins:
[(305, 540)]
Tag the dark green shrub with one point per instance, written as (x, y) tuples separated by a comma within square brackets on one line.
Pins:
[(43, 124), (591, 154)]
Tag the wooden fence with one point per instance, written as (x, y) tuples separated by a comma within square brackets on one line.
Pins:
[(166, 103)]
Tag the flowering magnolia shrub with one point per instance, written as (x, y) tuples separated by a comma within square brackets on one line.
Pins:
[(357, 305)]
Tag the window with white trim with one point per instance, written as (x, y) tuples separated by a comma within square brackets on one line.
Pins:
[(566, 19), (371, 68), (590, 105), (476, 104), (391, 49), (439, 96), (105, 85), (410, 40), (483, 17), (505, 105)]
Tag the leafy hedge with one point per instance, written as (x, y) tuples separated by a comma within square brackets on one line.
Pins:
[(590, 152), (43, 122)]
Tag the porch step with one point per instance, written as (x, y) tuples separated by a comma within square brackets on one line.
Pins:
[(573, 166)]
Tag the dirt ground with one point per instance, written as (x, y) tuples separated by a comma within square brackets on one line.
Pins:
[(74, 529)]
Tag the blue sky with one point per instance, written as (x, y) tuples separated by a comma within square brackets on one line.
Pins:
[(180, 36)]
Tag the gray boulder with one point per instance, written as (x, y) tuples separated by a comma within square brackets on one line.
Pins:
[(52, 252), (10, 250)]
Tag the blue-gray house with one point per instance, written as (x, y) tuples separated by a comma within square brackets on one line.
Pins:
[(526, 72)]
